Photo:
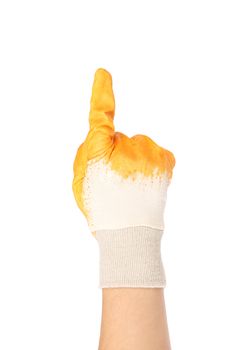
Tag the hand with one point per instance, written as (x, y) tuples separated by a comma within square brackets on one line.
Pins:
[(120, 184), (109, 159)]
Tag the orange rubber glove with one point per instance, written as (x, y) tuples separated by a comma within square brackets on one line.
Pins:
[(120, 184)]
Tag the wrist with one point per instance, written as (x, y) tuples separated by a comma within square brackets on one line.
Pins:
[(131, 257)]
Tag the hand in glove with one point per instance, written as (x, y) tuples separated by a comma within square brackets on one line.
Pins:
[(120, 184)]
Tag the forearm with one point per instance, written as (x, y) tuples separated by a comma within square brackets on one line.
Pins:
[(134, 319)]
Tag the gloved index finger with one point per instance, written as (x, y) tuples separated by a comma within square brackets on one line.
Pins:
[(102, 103)]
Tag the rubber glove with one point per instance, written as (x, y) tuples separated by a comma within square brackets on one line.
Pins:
[(120, 184)]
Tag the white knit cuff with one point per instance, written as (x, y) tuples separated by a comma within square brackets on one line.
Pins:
[(131, 257)]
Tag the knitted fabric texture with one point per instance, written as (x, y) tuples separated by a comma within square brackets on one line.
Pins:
[(131, 257)]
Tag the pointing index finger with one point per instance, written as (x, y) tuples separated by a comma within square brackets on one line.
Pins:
[(102, 104)]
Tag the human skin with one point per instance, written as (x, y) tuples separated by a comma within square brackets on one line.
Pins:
[(134, 319)]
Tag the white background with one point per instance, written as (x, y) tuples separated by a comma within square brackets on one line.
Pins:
[(178, 76)]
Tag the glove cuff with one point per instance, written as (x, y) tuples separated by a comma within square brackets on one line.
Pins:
[(131, 257)]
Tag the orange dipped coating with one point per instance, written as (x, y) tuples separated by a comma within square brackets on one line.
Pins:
[(140, 154), (126, 155)]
